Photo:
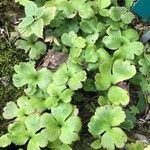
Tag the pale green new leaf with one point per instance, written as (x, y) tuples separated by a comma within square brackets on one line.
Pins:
[(96, 144), (114, 137), (52, 127), (18, 133), (37, 28), (138, 145), (75, 82), (44, 77), (117, 95), (61, 112), (105, 117), (122, 70), (25, 26), (10, 111), (30, 8), (31, 45), (103, 79), (22, 2), (103, 3), (32, 123), (4, 141), (23, 76), (68, 39), (49, 15)]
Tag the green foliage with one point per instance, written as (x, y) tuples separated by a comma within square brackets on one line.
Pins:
[(31, 45), (26, 74), (117, 95), (103, 53), (112, 73), (135, 146), (71, 74), (62, 124), (35, 19), (104, 123)]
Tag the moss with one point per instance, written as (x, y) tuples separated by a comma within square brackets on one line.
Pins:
[(8, 58)]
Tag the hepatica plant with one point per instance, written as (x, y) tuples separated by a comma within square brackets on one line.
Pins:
[(103, 55)]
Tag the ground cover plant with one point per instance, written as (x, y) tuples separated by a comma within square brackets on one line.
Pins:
[(76, 47)]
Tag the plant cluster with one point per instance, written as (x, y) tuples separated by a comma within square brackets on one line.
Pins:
[(104, 53)]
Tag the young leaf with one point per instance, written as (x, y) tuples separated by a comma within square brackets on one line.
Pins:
[(96, 144), (37, 28), (10, 111), (18, 133), (122, 70), (4, 141), (117, 95), (62, 124), (70, 74), (31, 45), (49, 15), (138, 145), (114, 137), (104, 123), (22, 2), (30, 8)]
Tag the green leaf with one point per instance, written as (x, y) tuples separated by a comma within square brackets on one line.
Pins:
[(114, 137), (10, 111), (131, 34), (69, 129), (30, 8), (129, 51), (68, 39), (104, 3), (90, 54), (138, 145), (22, 2), (129, 3), (91, 25), (32, 123), (25, 26), (44, 77), (37, 27), (61, 112), (127, 18), (52, 127), (60, 77), (37, 50), (23, 76), (117, 95), (39, 140), (31, 45), (49, 15), (106, 117), (103, 79), (75, 82), (122, 70), (114, 40), (4, 141), (145, 64), (79, 42), (116, 13), (18, 133), (33, 145), (96, 144), (84, 8), (66, 95)]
